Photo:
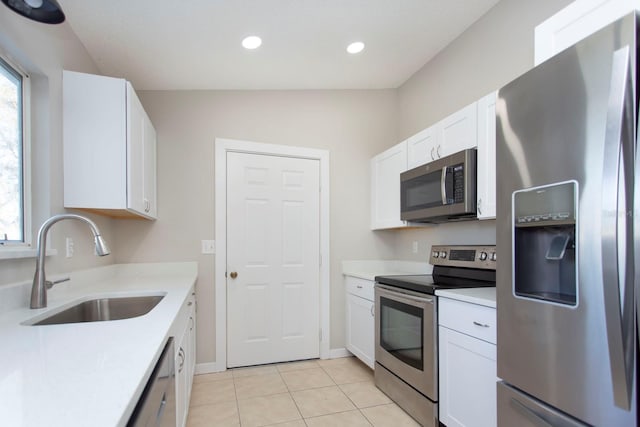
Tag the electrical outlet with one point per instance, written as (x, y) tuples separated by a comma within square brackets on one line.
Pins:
[(415, 247), (69, 247), (208, 246)]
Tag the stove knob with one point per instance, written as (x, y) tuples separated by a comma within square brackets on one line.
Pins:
[(443, 254), (435, 254), (483, 256), (493, 256)]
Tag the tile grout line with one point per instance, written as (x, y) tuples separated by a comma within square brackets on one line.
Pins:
[(291, 396), (237, 403)]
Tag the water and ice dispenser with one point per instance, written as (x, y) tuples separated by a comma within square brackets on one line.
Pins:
[(544, 233)]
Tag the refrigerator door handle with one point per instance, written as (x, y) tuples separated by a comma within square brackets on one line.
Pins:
[(542, 419), (619, 303), (530, 413)]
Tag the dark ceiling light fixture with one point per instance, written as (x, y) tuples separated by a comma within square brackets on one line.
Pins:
[(46, 11)]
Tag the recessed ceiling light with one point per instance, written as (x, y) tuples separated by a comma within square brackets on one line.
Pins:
[(355, 47), (251, 42)]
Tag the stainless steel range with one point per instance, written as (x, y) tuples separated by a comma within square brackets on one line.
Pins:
[(406, 310)]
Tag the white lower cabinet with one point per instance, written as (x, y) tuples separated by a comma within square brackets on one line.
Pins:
[(360, 319), (185, 357), (192, 345), (467, 371)]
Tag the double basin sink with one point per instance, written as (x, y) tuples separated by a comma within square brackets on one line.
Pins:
[(102, 309)]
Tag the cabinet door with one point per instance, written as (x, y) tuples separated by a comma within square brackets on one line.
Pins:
[(191, 352), (467, 380), (486, 168), (458, 131), (182, 380), (95, 131), (421, 148), (385, 187), (361, 328), (109, 147), (575, 22), (149, 170), (136, 118)]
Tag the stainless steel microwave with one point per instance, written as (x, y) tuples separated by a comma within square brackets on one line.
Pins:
[(440, 191)]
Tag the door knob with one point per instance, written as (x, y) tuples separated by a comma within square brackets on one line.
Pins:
[(233, 274)]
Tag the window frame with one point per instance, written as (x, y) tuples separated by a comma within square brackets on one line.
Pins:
[(24, 248)]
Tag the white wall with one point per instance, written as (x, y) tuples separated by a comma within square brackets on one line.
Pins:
[(44, 51), (352, 125)]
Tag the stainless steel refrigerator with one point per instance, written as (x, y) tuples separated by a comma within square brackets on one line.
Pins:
[(567, 288)]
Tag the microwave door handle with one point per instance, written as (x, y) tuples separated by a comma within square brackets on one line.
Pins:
[(443, 186), (619, 319)]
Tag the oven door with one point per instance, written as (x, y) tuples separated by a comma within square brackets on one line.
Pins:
[(406, 339)]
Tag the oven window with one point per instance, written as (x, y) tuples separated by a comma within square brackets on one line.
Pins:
[(401, 331)]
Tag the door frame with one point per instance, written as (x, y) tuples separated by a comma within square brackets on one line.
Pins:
[(222, 147)]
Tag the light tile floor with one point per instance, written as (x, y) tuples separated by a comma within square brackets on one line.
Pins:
[(313, 393)]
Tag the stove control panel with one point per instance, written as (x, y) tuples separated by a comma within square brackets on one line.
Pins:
[(464, 256)]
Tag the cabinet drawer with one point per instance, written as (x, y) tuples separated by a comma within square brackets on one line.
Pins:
[(360, 287), (471, 319)]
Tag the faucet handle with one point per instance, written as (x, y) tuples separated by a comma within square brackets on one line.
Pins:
[(49, 284)]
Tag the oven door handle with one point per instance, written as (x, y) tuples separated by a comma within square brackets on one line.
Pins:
[(443, 185), (403, 297)]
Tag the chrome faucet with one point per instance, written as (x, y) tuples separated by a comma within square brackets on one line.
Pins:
[(40, 283)]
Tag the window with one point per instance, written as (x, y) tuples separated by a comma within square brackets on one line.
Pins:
[(14, 156)]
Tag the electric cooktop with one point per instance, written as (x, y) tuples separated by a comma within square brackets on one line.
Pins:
[(453, 267)]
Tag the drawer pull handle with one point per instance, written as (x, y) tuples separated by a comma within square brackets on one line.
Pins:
[(359, 286), (482, 325)]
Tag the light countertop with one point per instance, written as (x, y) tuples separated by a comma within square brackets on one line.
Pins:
[(480, 296), (86, 374), (369, 269)]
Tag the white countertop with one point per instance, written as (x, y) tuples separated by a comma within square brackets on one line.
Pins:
[(480, 296), (369, 269), (86, 374)]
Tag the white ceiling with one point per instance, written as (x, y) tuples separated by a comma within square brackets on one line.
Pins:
[(195, 44)]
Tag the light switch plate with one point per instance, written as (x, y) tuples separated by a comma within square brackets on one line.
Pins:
[(208, 246)]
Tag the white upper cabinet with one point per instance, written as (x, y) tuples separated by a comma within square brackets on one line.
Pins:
[(472, 126), (421, 148), (454, 133), (386, 168), (575, 22), (486, 167), (109, 148), (458, 131)]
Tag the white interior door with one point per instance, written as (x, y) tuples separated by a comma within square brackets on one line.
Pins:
[(273, 256)]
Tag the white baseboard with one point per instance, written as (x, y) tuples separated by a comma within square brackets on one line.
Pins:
[(208, 368), (336, 353)]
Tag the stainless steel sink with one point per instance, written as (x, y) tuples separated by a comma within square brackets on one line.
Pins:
[(101, 309)]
